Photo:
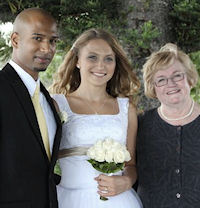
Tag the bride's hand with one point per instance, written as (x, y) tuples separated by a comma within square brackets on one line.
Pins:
[(112, 185)]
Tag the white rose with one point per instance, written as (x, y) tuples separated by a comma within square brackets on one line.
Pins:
[(107, 144), (116, 145), (127, 155), (91, 153), (109, 156), (99, 154), (119, 156), (117, 148), (123, 147), (98, 144)]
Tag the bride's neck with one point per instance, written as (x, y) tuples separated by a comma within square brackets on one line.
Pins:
[(95, 94)]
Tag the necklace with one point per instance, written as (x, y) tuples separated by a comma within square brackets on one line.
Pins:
[(96, 112), (180, 118)]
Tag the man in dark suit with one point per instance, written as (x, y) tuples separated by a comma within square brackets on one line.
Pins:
[(26, 167)]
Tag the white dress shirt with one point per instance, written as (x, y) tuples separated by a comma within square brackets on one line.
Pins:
[(30, 84)]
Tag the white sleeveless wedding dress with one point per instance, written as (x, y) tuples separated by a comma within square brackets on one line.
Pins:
[(77, 188)]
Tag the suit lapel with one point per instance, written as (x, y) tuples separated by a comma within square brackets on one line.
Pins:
[(25, 100)]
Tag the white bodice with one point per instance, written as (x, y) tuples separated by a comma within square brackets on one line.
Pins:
[(85, 130), (81, 129)]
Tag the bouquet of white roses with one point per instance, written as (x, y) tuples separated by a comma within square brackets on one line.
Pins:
[(108, 156)]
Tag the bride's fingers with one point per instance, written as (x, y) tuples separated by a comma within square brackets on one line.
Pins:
[(103, 183), (102, 177), (103, 180), (107, 193), (103, 188)]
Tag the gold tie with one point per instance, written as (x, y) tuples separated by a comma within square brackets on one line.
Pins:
[(41, 120)]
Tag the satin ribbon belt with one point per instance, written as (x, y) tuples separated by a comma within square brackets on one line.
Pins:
[(75, 151)]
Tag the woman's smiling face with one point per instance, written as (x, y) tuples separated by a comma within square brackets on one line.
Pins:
[(173, 91), (96, 62)]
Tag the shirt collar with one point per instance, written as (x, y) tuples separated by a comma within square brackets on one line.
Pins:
[(27, 79)]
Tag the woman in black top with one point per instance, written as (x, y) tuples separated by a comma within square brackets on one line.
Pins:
[(168, 143)]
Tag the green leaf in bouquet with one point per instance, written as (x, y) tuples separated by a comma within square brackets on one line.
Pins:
[(106, 167), (57, 169)]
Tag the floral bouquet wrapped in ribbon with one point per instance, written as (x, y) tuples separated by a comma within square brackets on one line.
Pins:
[(108, 156)]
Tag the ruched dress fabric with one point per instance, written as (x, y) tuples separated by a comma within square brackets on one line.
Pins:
[(77, 188), (168, 160)]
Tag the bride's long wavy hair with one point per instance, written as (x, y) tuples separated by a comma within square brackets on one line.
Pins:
[(124, 81)]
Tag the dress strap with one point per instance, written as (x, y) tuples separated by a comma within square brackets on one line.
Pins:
[(62, 103), (75, 151), (123, 105)]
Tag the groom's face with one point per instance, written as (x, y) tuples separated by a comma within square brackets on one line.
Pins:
[(36, 44)]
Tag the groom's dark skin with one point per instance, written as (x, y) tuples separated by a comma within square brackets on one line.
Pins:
[(34, 41)]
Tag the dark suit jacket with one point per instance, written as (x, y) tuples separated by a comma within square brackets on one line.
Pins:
[(26, 175)]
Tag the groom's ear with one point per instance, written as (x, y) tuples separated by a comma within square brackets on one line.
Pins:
[(14, 39)]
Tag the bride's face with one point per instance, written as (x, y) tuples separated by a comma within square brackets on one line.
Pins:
[(96, 62)]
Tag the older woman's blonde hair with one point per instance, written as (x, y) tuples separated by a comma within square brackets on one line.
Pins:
[(124, 81), (162, 59)]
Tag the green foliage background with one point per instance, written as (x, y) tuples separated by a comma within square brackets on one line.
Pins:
[(75, 16), (186, 20)]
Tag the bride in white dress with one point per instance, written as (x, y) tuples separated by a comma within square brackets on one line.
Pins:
[(95, 86)]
